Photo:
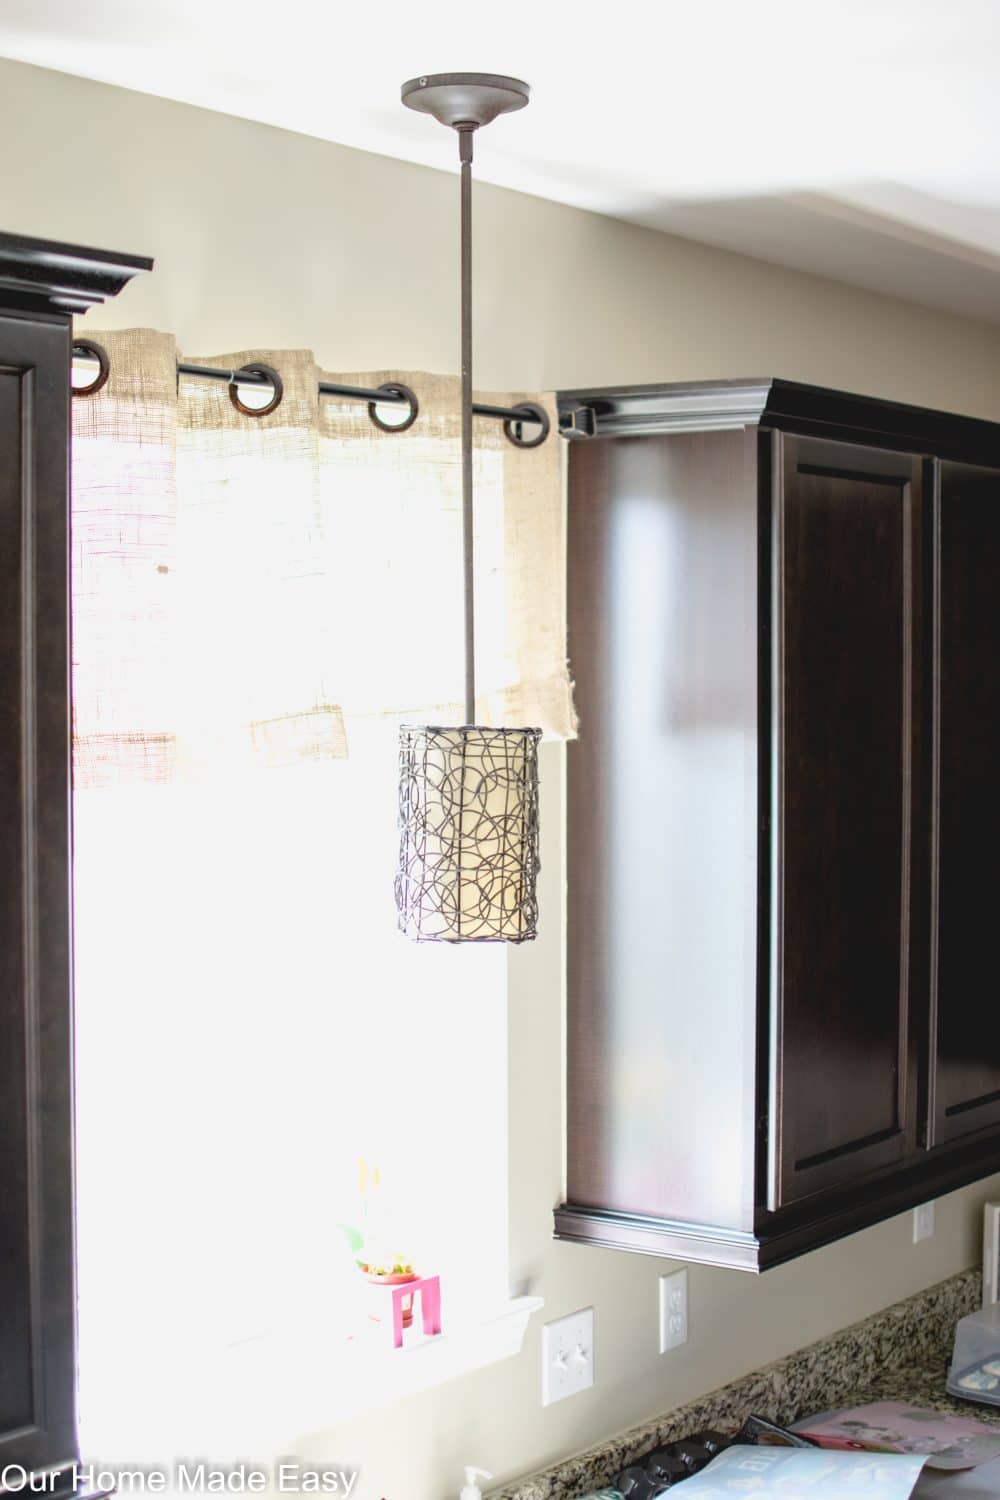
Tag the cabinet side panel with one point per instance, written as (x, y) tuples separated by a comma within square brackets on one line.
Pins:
[(662, 826), (967, 1089)]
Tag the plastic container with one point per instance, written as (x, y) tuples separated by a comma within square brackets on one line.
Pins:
[(975, 1363), (470, 1490)]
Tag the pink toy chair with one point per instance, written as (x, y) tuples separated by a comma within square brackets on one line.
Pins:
[(429, 1288)]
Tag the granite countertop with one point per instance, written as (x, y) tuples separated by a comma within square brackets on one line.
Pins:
[(921, 1383), (900, 1354)]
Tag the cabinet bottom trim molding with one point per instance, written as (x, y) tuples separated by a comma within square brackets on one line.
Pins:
[(791, 1232), (672, 1239)]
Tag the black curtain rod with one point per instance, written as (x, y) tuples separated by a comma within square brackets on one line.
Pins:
[(355, 392), (394, 393)]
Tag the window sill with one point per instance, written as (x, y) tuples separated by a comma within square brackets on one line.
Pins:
[(291, 1387)]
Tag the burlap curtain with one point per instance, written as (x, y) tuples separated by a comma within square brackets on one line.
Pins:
[(246, 586), (256, 592)]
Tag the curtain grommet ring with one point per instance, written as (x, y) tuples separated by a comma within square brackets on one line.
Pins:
[(257, 369), (92, 351), (513, 431), (395, 388)]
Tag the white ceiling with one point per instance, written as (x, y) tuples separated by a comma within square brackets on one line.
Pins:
[(859, 139)]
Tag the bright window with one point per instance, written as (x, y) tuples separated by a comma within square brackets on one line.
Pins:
[(250, 1026), (258, 603)]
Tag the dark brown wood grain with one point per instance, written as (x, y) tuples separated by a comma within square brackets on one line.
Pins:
[(782, 1023), (16, 1362), (36, 1188), (966, 1056), (848, 678)]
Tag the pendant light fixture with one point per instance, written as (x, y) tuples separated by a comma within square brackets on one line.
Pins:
[(468, 794)]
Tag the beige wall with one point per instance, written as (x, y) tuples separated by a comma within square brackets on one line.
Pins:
[(267, 238), (270, 239)]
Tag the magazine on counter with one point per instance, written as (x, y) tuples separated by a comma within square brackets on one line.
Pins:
[(901, 1427), (805, 1474)]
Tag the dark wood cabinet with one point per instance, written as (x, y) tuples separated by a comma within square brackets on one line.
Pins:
[(36, 1227), (784, 626), (965, 1076), (41, 284)]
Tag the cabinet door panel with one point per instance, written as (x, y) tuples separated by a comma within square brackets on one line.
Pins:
[(848, 689), (965, 1078), (16, 1400)]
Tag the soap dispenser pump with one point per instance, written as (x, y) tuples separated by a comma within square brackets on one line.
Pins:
[(470, 1490)]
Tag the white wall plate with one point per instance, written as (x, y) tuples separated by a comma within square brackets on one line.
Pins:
[(567, 1356)]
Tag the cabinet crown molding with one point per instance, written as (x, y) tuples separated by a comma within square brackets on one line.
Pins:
[(769, 402), (49, 276)]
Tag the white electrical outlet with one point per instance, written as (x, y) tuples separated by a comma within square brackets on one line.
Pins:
[(567, 1356), (923, 1222), (673, 1311)]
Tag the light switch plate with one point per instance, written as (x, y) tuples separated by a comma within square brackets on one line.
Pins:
[(673, 1311), (923, 1222), (567, 1356)]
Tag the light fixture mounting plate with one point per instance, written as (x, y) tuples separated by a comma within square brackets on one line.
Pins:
[(458, 99)]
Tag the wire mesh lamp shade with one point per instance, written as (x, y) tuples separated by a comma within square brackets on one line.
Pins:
[(468, 834)]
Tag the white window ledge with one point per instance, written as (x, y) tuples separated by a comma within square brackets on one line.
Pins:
[(290, 1386)]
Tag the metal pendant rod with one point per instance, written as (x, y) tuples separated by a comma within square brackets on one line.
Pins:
[(465, 136)]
